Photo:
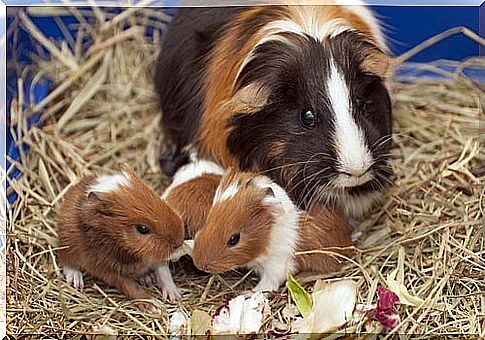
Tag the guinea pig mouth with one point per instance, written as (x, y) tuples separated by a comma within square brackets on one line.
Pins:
[(362, 189), (345, 180), (209, 267)]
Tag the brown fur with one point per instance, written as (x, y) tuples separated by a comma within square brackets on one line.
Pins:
[(228, 55), (326, 230), (98, 233), (378, 63), (320, 229), (242, 214), (192, 200)]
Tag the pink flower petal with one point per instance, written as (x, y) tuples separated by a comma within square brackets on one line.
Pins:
[(386, 312), (387, 299)]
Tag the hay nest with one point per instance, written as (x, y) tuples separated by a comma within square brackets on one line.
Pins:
[(102, 110)]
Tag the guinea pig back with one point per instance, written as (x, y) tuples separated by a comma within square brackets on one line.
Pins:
[(322, 229)]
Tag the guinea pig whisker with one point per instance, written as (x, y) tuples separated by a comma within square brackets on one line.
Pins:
[(309, 179), (285, 166), (381, 140), (382, 156), (308, 192), (317, 182), (381, 178), (304, 179), (318, 194)]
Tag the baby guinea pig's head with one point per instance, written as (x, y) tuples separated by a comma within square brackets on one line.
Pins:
[(239, 224), (132, 218)]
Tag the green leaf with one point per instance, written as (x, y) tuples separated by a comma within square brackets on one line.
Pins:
[(299, 296)]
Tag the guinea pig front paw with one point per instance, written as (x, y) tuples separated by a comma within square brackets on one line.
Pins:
[(148, 279), (171, 292), (74, 277), (154, 306), (266, 286)]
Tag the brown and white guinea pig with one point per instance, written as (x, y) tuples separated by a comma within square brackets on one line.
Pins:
[(191, 193), (117, 229), (254, 224), (295, 91)]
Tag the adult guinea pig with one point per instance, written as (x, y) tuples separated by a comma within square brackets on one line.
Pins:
[(254, 224), (117, 229), (191, 193), (297, 91)]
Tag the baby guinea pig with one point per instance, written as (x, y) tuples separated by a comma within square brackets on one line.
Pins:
[(191, 193), (253, 223), (117, 229)]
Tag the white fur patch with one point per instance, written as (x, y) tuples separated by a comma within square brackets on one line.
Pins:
[(309, 27), (354, 157), (280, 258), (193, 170), (110, 183), (227, 193)]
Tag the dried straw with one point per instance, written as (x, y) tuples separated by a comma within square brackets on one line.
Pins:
[(103, 110)]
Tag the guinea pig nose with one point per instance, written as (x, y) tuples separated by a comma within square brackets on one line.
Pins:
[(355, 172)]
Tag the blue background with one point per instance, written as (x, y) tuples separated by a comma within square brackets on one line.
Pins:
[(405, 26)]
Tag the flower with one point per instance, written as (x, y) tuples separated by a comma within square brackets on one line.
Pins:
[(332, 306), (178, 322), (386, 312), (243, 314)]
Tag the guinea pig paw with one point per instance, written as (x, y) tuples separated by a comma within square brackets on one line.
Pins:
[(266, 287), (148, 279), (74, 277), (172, 293), (154, 306)]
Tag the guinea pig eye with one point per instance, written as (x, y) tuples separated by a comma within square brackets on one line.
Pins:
[(308, 119), (233, 240), (142, 229), (361, 105)]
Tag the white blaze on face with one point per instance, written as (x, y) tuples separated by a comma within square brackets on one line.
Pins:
[(353, 155), (110, 183), (225, 194)]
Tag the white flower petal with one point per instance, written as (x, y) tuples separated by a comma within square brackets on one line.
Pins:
[(333, 305), (242, 315), (178, 321)]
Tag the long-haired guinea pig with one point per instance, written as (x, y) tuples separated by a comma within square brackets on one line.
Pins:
[(117, 229), (254, 224), (191, 193), (296, 91)]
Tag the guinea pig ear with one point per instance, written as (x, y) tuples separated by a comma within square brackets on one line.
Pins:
[(377, 63), (270, 199), (96, 202), (93, 196), (269, 192), (249, 182), (250, 98)]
